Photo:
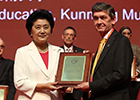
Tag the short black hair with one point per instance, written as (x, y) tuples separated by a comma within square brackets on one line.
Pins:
[(39, 14), (101, 6), (69, 27)]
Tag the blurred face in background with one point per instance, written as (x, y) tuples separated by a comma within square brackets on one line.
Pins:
[(68, 37), (127, 33), (1, 47)]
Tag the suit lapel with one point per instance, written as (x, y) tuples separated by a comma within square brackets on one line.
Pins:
[(2, 67), (53, 59), (63, 48), (106, 48), (34, 54), (74, 49)]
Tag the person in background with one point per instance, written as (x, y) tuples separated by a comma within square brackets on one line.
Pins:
[(6, 73), (36, 63), (126, 31), (68, 37), (111, 67)]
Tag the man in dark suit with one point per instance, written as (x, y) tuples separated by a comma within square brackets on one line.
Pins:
[(6, 73), (68, 37), (111, 75)]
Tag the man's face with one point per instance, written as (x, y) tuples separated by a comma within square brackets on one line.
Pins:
[(1, 47), (103, 22), (68, 37)]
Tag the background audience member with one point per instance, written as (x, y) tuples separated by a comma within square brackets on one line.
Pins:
[(126, 31), (6, 73), (111, 68), (68, 37), (36, 64)]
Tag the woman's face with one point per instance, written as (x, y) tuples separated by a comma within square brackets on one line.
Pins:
[(41, 31), (127, 33)]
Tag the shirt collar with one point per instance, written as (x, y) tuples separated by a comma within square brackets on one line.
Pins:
[(65, 47), (106, 36)]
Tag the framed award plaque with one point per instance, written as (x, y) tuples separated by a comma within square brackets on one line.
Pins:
[(3, 92), (73, 68)]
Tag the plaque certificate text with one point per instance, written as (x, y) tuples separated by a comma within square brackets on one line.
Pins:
[(73, 68)]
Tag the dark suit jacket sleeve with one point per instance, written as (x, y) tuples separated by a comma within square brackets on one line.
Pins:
[(115, 67), (12, 90)]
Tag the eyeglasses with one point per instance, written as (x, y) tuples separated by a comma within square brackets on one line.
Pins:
[(126, 33), (2, 46), (71, 35)]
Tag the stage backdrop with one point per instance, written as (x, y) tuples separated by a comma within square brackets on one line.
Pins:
[(75, 13)]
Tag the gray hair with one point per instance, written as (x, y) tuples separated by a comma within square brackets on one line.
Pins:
[(69, 27)]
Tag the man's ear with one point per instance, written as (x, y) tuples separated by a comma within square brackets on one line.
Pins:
[(31, 35), (114, 21), (62, 37), (74, 38)]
